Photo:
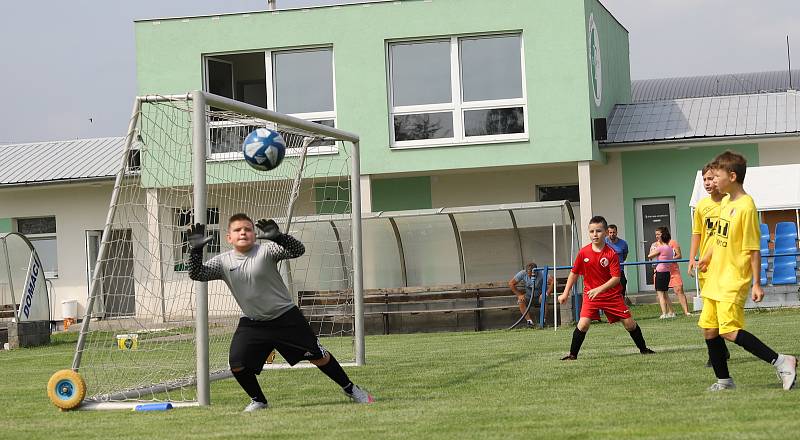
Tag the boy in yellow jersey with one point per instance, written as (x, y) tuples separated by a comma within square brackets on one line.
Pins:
[(733, 265), (703, 223)]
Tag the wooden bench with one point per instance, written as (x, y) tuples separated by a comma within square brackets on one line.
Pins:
[(385, 302)]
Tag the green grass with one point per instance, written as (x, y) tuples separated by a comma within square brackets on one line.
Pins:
[(494, 384)]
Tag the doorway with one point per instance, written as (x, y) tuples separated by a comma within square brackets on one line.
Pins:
[(651, 214)]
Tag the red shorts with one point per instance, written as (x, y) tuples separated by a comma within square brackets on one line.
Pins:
[(614, 308)]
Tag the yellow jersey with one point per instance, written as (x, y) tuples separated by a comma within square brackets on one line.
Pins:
[(730, 275), (704, 222)]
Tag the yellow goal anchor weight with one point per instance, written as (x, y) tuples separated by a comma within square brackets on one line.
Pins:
[(66, 389)]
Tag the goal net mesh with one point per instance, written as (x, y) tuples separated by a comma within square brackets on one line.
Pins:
[(140, 343)]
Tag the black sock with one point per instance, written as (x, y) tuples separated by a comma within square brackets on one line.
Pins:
[(335, 371), (638, 339), (716, 354), (249, 384), (754, 345), (577, 340)]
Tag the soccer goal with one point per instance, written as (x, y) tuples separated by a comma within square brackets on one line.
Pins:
[(150, 334)]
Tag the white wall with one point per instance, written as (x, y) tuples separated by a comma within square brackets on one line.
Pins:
[(607, 191), (495, 187), (77, 208), (779, 152)]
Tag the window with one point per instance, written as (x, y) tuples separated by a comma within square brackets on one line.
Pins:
[(41, 231), (457, 90), (548, 193), (184, 218), (295, 82)]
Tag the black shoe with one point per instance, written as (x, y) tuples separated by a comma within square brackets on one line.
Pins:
[(530, 324), (569, 357), (647, 351)]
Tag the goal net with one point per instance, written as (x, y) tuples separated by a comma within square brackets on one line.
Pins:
[(148, 336)]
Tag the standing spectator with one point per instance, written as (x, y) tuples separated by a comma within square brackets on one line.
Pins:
[(675, 280), (620, 246), (531, 279), (662, 251)]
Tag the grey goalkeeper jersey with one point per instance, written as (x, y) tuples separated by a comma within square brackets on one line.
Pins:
[(253, 277)]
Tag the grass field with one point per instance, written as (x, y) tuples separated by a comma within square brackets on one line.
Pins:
[(494, 384)]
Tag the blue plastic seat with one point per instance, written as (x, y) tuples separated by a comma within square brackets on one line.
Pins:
[(784, 274), (785, 237), (785, 229)]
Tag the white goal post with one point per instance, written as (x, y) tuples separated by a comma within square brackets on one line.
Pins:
[(182, 164)]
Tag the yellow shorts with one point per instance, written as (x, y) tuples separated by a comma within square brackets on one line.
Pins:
[(725, 316)]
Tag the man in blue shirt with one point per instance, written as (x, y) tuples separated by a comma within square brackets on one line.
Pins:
[(532, 281), (620, 246)]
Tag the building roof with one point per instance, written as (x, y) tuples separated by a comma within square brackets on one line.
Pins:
[(59, 161), (690, 118), (713, 85)]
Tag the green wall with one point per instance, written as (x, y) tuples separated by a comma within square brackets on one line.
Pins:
[(401, 194), (332, 199), (616, 75), (6, 225), (667, 173), (170, 53)]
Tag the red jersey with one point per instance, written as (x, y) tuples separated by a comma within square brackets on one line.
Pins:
[(597, 268)]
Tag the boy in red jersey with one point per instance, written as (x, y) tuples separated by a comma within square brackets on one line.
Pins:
[(599, 265)]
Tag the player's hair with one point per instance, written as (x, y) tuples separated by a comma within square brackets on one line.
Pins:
[(665, 235), (708, 167), (612, 226), (731, 162), (531, 266), (599, 219), (239, 216)]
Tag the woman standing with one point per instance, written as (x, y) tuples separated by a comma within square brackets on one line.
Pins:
[(675, 280), (662, 251)]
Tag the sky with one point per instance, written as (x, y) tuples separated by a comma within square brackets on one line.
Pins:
[(68, 68)]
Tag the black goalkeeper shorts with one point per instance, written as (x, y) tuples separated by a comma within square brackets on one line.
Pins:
[(289, 333)]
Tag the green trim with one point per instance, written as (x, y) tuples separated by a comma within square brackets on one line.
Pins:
[(401, 194), (667, 173), (6, 225)]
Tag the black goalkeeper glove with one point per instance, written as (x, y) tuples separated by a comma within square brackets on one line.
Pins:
[(267, 230), (197, 237)]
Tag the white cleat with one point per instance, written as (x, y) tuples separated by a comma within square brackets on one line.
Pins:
[(255, 406), (360, 396), (722, 384), (787, 372)]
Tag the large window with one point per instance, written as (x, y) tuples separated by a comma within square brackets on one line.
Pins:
[(457, 90), (41, 231), (547, 193), (295, 82)]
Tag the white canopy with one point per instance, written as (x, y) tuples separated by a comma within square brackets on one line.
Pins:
[(773, 188)]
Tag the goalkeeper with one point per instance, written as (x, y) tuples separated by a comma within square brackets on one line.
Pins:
[(271, 319)]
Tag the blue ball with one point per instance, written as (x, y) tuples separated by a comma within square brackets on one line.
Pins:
[(263, 149)]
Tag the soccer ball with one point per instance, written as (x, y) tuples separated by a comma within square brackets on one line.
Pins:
[(264, 149)]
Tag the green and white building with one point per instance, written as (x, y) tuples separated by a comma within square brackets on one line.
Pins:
[(461, 103)]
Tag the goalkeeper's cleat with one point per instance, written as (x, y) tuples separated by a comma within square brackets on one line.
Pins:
[(787, 372), (647, 351), (255, 405), (722, 384), (569, 357), (359, 395)]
